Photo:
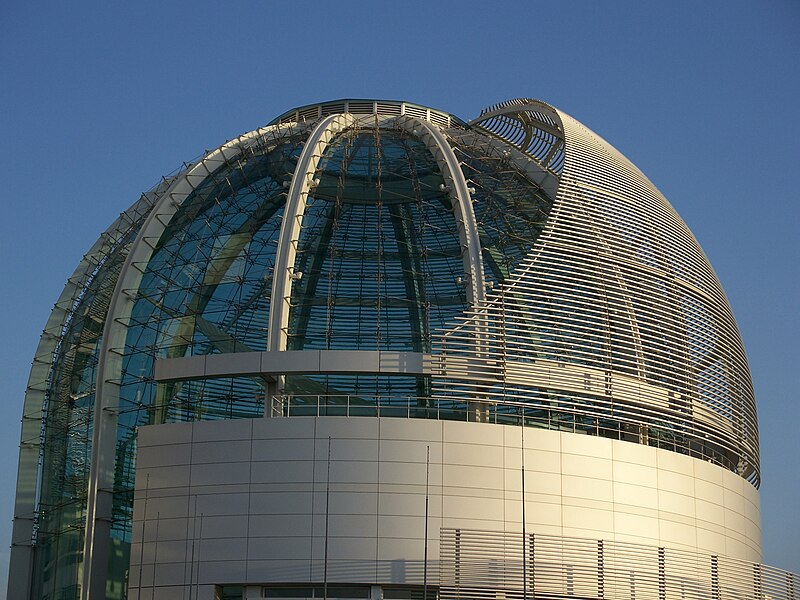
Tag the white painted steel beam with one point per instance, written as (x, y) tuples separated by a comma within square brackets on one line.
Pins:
[(301, 184), (461, 200)]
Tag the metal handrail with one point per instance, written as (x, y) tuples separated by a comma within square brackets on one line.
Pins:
[(504, 412)]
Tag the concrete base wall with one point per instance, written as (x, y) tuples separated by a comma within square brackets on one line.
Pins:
[(245, 501)]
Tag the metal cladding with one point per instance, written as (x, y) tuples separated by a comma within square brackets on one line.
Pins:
[(375, 258)]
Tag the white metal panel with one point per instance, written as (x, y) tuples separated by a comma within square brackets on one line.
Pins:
[(376, 507)]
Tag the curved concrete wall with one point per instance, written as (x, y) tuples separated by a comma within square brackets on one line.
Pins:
[(244, 501)]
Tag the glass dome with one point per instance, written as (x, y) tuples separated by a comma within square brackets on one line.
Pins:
[(525, 270)]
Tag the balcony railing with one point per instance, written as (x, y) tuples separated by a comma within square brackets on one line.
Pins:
[(559, 417)]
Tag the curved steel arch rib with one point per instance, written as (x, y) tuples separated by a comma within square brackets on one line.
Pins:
[(461, 199), (301, 184), (33, 411), (109, 368), (303, 181)]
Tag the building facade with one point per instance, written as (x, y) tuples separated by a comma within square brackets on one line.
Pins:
[(372, 350)]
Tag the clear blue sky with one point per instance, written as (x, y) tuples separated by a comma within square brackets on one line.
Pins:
[(99, 99)]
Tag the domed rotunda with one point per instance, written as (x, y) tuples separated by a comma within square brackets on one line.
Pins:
[(372, 350)]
